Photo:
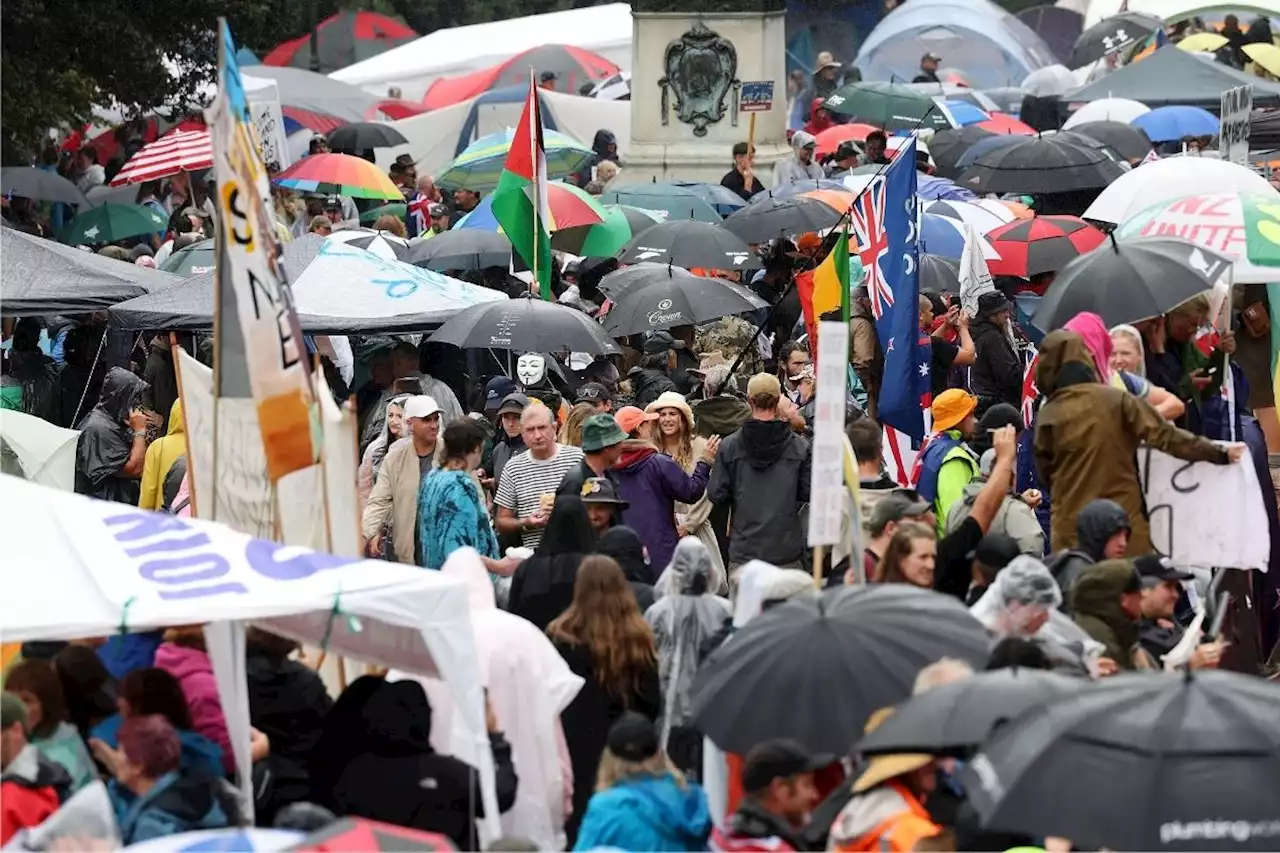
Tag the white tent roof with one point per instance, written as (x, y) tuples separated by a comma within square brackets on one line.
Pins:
[(433, 137), (606, 30), (1174, 10)]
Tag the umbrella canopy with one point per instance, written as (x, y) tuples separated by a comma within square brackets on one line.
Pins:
[(1112, 36), (191, 260), (460, 249), (1128, 141), (525, 325), (889, 106), (366, 134), (1168, 179), (1121, 110), (1051, 80), (829, 140), (357, 833), (1168, 124), (965, 113), (980, 217), (1057, 26), (1266, 56), (111, 222), (671, 200), (230, 840), (339, 174), (806, 186), (983, 146), (1172, 76), (570, 207), (723, 199), (1045, 244), (1192, 756), (621, 224), (384, 244), (1130, 281), (947, 146), (398, 209), (933, 188), (662, 296), (1241, 226), (1005, 123), (838, 200), (40, 276), (337, 289), (178, 151), (1041, 165), (689, 244), (767, 218), (316, 100), (939, 274), (30, 182), (572, 67), (1197, 42), (963, 713), (480, 164), (942, 236), (872, 640), (341, 40)]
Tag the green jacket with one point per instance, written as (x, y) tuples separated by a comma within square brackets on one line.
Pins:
[(1095, 601)]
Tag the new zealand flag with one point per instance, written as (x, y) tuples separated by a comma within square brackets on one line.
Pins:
[(884, 223)]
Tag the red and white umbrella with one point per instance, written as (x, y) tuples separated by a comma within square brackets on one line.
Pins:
[(181, 150)]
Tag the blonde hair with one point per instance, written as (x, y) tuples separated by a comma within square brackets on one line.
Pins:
[(1194, 308), (607, 171), (940, 672), (682, 452), (614, 769), (393, 224), (571, 432), (1124, 330)]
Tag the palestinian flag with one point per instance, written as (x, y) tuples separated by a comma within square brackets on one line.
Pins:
[(520, 200)]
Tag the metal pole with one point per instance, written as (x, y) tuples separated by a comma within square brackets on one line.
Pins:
[(313, 26)]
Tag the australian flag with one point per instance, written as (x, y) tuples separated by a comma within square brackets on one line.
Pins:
[(884, 222)]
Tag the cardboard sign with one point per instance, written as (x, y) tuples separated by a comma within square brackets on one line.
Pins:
[(826, 481), (756, 97), (1233, 138)]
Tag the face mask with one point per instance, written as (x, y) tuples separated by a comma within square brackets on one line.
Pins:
[(530, 369)]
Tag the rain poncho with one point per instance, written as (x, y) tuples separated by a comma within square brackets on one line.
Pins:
[(682, 619), (105, 441)]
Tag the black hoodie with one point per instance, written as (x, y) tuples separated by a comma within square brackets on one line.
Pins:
[(105, 440), (1098, 521)]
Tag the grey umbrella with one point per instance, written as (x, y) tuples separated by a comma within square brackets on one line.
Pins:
[(525, 325), (30, 182), (460, 249), (815, 669), (1149, 761), (307, 90), (43, 277), (671, 296)]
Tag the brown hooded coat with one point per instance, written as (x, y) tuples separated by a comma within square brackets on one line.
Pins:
[(1087, 437)]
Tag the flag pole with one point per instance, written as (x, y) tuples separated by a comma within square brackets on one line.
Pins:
[(532, 106)]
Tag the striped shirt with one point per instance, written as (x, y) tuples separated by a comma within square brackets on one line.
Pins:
[(525, 480)]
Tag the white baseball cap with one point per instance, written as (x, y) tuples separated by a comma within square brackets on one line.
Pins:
[(420, 406)]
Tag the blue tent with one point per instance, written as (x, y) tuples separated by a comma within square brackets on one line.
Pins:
[(509, 95)]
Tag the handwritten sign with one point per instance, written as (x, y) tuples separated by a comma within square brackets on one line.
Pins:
[(1233, 137), (1203, 514), (757, 97), (826, 482), (268, 123)]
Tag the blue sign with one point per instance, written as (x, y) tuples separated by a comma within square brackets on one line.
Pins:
[(756, 97)]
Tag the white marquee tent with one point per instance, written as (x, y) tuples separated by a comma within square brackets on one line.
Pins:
[(413, 67), (78, 567), (1175, 10)]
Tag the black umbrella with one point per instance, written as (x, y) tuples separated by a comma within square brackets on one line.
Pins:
[(939, 274), (1040, 165), (30, 182), (1140, 762), (686, 243), (669, 296), (1130, 281), (767, 218), (1128, 141), (621, 279), (525, 325), (963, 713), (815, 669), (1057, 26), (948, 146), (1113, 35), (460, 249), (366, 134)]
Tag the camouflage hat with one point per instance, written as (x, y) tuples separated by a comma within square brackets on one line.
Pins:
[(731, 336)]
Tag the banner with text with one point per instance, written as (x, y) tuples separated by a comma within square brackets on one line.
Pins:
[(1233, 136)]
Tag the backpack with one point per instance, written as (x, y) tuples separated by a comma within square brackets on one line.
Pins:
[(1015, 518)]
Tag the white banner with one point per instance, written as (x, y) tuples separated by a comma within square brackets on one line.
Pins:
[(1233, 136), (1203, 514), (268, 122), (975, 278), (826, 478)]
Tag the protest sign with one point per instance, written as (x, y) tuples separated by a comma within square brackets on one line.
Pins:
[(1203, 514), (1233, 137), (757, 97), (826, 482)]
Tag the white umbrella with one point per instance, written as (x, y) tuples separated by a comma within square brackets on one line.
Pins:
[(980, 217), (1107, 109), (384, 244), (1050, 80), (1168, 179)]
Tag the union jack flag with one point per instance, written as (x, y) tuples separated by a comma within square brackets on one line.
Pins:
[(419, 218), (873, 244)]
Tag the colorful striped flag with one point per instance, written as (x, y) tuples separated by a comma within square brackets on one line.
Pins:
[(520, 200), (831, 280)]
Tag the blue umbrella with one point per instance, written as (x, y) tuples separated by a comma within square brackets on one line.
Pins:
[(966, 113), (1169, 124), (943, 236), (933, 188), (982, 146), (230, 840)]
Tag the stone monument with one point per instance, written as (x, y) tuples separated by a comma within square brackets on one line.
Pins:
[(694, 67)]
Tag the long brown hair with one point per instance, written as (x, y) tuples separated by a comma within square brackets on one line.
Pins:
[(681, 447), (571, 431), (905, 535), (605, 618)]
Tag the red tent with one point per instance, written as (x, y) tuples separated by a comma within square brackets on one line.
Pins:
[(572, 66), (344, 39)]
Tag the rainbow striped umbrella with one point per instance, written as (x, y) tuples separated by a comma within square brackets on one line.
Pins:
[(339, 174), (480, 165), (570, 207)]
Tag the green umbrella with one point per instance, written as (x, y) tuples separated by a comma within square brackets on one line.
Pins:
[(604, 239), (112, 222), (671, 200), (1262, 230), (890, 106), (480, 165), (398, 209), (191, 260)]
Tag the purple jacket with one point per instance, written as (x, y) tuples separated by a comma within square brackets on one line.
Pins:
[(652, 483), (194, 672)]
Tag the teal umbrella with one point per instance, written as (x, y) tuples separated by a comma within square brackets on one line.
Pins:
[(191, 260), (398, 209), (481, 164), (112, 222), (891, 106), (669, 199)]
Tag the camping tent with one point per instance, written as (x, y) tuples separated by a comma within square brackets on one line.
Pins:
[(36, 450), (412, 67), (1173, 76), (437, 137), (79, 567)]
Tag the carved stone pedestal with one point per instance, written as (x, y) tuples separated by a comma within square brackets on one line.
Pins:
[(689, 63)]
